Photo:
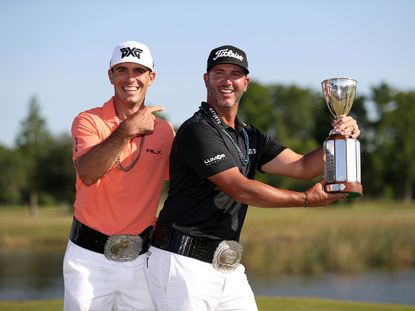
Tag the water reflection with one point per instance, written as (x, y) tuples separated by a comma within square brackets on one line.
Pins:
[(376, 286), (37, 274), (31, 273)]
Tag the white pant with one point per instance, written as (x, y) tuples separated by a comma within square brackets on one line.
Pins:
[(180, 283), (93, 282)]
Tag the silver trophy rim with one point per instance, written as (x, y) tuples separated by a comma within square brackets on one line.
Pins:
[(339, 79)]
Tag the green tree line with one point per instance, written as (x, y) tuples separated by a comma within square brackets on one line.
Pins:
[(39, 169)]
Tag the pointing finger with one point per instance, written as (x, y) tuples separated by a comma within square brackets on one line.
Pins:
[(153, 109)]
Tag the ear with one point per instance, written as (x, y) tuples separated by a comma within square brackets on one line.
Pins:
[(247, 80), (152, 77), (110, 76), (206, 78)]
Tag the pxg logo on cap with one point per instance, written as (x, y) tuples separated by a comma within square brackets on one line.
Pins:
[(227, 54), (132, 52)]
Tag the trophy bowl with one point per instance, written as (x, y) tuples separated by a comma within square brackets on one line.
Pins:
[(342, 154)]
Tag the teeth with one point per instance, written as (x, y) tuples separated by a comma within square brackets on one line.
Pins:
[(226, 91), (130, 88)]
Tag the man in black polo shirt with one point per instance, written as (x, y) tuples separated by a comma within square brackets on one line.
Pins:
[(193, 263)]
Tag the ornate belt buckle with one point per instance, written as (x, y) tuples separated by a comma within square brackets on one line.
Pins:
[(227, 256), (123, 247)]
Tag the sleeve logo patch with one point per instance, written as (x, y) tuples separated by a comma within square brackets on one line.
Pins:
[(214, 160)]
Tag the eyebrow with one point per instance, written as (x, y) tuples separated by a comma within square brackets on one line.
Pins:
[(231, 72), (143, 69), (120, 67)]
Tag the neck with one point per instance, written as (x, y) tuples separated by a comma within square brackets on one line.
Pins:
[(124, 110), (226, 114), (229, 120)]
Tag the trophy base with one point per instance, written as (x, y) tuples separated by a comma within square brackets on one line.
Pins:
[(352, 189)]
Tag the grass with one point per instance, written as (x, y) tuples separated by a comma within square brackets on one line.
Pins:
[(340, 238), (40, 305), (50, 227), (314, 304), (264, 304)]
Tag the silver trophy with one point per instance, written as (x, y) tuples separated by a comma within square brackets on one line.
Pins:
[(342, 167)]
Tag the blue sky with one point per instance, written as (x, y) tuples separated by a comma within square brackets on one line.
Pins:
[(59, 50)]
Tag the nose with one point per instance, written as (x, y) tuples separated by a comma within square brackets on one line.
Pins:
[(227, 80), (130, 75)]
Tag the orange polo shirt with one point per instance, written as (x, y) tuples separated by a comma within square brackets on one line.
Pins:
[(121, 202)]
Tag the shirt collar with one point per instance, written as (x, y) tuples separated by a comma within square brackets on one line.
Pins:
[(239, 124), (108, 111)]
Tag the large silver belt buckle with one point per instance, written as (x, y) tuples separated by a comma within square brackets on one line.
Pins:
[(227, 256), (123, 247)]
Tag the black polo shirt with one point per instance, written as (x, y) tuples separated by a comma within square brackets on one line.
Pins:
[(195, 206)]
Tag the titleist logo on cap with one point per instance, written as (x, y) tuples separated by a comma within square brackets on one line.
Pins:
[(227, 53)]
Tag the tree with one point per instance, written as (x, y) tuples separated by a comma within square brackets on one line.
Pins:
[(287, 113), (33, 142), (405, 140), (398, 131), (12, 177), (256, 108), (390, 144), (58, 177)]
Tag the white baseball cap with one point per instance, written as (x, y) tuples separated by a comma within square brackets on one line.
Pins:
[(132, 52)]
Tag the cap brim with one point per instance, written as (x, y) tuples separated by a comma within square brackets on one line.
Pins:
[(227, 62)]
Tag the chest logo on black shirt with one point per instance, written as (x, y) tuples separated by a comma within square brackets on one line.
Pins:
[(215, 159)]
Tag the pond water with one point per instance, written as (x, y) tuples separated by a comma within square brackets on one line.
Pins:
[(375, 286), (37, 274)]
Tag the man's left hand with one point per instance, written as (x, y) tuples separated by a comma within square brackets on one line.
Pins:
[(347, 126)]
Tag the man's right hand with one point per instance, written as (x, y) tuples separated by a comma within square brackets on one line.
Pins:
[(316, 196), (140, 123)]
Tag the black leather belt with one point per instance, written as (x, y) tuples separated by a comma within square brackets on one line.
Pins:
[(93, 240), (174, 241)]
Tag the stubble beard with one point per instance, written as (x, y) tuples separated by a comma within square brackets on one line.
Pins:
[(218, 100)]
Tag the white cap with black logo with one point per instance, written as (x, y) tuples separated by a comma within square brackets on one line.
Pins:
[(132, 52)]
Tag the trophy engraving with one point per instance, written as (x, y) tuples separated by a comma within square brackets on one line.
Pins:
[(342, 154)]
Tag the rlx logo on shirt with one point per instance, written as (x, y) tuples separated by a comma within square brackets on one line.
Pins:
[(153, 151), (215, 159)]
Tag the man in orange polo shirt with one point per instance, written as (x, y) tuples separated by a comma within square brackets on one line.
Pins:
[(121, 153)]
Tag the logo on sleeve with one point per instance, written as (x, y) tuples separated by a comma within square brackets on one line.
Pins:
[(214, 160)]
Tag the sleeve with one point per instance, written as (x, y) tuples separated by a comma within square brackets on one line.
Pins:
[(270, 149), (84, 135), (202, 149), (170, 137)]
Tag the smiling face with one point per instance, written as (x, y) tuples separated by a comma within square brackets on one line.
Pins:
[(225, 85), (131, 82)]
